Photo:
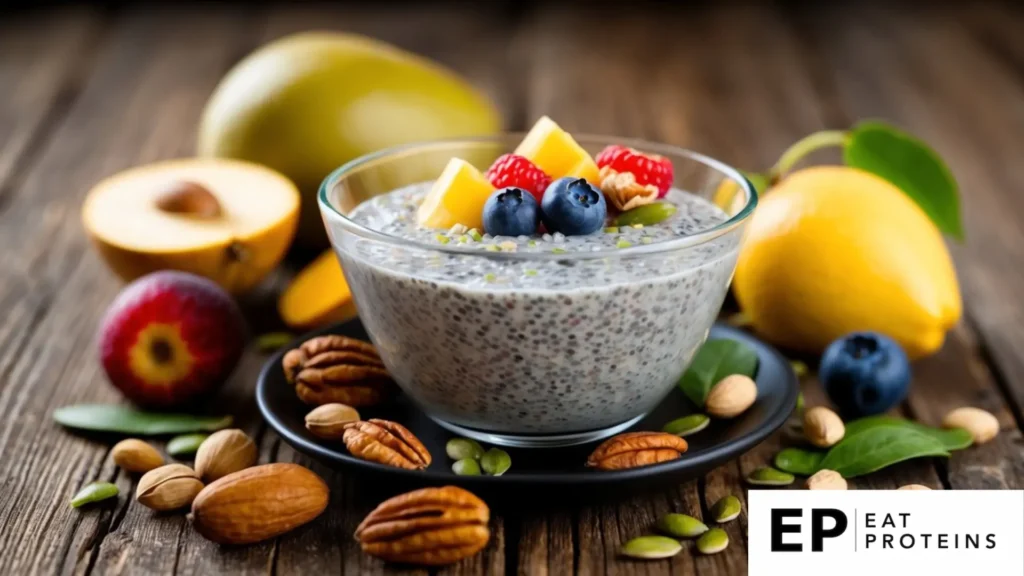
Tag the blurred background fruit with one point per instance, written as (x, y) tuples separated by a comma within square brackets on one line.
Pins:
[(308, 103)]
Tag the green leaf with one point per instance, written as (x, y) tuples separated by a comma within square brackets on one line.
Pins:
[(714, 361), (186, 444), (126, 420), (877, 447), (799, 461), (94, 492), (910, 165), (955, 439)]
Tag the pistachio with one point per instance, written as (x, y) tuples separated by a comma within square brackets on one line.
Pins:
[(495, 462), (731, 396), (823, 427), (459, 448), (651, 547), (135, 455), (826, 480), (168, 487), (769, 477), (982, 425), (913, 487), (225, 452), (687, 425), (466, 467), (681, 526), (726, 509), (328, 421), (185, 444), (713, 541), (94, 492)]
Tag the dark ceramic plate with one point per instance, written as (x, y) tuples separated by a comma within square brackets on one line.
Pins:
[(554, 472)]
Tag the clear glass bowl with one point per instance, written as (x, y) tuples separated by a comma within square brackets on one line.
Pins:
[(528, 348)]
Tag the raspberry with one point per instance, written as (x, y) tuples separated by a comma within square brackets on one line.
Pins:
[(512, 170), (646, 168)]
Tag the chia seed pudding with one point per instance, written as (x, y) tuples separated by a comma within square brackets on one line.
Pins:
[(592, 332)]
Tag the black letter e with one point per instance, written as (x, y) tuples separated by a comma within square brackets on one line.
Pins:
[(779, 528)]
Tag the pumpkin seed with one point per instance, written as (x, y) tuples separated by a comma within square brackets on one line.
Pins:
[(125, 420), (651, 547), (270, 342), (687, 425), (648, 214), (769, 477), (495, 462), (726, 509), (466, 467), (681, 526), (461, 448), (185, 445), (713, 541), (94, 492)]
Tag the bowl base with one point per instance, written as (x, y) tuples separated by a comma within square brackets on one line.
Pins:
[(537, 440)]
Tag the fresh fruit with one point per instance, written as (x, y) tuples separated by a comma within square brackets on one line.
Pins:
[(573, 207), (864, 374), (227, 220), (511, 170), (832, 250), (308, 103), (555, 152), (648, 169), (457, 197), (170, 337), (317, 296), (511, 212)]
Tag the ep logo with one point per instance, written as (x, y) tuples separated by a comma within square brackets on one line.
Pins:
[(787, 528)]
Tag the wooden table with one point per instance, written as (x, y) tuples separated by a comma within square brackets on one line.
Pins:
[(85, 93)]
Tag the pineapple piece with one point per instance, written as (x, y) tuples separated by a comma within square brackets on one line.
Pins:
[(457, 197), (555, 152)]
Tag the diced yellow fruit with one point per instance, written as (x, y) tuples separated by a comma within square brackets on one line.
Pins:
[(317, 296), (555, 152), (457, 197)]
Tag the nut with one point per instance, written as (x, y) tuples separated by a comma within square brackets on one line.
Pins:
[(334, 368), (168, 487), (651, 547), (386, 442), (223, 453), (430, 526), (259, 503), (189, 199), (328, 421), (731, 396), (826, 480), (623, 191), (982, 425), (634, 449), (823, 427), (135, 455), (913, 487)]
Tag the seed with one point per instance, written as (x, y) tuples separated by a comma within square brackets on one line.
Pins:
[(731, 396), (823, 427), (461, 448), (726, 509), (651, 547), (186, 444), (648, 214), (769, 477), (530, 272), (463, 239), (442, 238), (713, 541), (475, 234), (496, 462), (623, 244), (914, 487), (681, 526), (687, 425), (466, 467), (826, 480), (982, 425), (134, 455), (611, 230), (271, 341), (94, 492), (558, 250), (490, 277)]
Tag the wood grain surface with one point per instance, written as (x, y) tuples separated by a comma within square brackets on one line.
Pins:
[(88, 92)]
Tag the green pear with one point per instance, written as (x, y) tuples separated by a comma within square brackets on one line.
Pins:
[(307, 103)]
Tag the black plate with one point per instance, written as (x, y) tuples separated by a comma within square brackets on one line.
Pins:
[(555, 472)]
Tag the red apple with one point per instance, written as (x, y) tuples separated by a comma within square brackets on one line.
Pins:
[(170, 337)]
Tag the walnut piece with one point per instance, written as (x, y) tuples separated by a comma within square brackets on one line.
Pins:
[(623, 191), (634, 449), (430, 526), (385, 442), (337, 369)]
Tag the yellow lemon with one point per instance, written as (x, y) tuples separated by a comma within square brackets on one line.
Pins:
[(833, 249)]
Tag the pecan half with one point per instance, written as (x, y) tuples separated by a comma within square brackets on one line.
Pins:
[(385, 442), (635, 449), (623, 191), (337, 369), (430, 526)]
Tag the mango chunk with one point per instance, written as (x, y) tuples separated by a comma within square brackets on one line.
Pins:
[(555, 152), (457, 197), (317, 296)]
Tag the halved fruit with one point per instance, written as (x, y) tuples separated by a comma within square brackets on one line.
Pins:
[(555, 152), (317, 296), (227, 220), (457, 197)]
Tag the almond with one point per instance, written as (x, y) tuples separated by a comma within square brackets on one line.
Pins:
[(258, 503), (134, 455), (223, 453), (731, 396), (826, 480), (982, 425), (823, 427)]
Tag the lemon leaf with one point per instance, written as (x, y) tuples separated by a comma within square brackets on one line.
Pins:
[(714, 361), (910, 165)]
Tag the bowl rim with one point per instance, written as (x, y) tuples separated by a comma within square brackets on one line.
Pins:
[(330, 212)]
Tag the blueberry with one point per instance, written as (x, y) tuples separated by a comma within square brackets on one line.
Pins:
[(864, 373), (573, 207), (511, 212)]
